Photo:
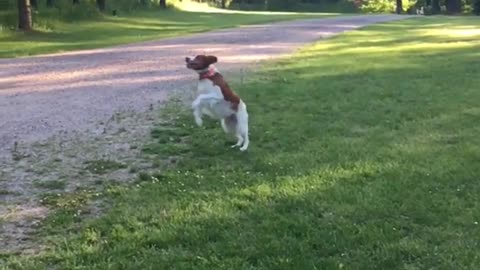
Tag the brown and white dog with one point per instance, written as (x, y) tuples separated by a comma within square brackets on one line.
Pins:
[(217, 100)]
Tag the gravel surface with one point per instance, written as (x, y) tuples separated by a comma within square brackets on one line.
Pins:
[(45, 95), (59, 111)]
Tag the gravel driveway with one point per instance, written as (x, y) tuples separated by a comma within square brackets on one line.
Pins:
[(59, 111), (46, 95)]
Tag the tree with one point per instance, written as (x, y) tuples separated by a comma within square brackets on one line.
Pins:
[(435, 6), (163, 3), (476, 7), (49, 3), (75, 2), (34, 4), (24, 15), (399, 6), (453, 6), (101, 5)]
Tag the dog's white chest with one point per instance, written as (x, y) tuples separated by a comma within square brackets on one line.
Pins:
[(207, 87)]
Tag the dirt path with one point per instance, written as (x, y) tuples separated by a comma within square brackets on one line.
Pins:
[(42, 96), (58, 111)]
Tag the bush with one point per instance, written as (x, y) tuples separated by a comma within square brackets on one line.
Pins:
[(7, 5), (276, 5), (476, 7), (378, 6), (294, 5), (385, 5), (131, 5), (82, 11), (8, 20)]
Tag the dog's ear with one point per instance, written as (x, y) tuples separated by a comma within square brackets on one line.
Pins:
[(211, 59)]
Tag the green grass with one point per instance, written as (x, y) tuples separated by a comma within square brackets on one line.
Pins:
[(6, 192), (50, 184), (102, 166), (57, 36), (364, 155)]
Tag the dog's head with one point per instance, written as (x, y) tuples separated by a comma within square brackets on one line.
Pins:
[(200, 63)]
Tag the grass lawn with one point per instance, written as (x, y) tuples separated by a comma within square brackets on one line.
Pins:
[(56, 36), (365, 155)]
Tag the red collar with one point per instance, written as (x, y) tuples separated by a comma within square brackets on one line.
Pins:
[(208, 74)]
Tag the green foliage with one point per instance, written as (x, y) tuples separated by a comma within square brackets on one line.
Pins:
[(66, 11), (8, 20), (86, 9), (8, 14), (476, 7), (7, 5), (288, 5), (387, 6), (378, 6), (276, 5), (131, 5)]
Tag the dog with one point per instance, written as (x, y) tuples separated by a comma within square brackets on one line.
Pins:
[(217, 100)]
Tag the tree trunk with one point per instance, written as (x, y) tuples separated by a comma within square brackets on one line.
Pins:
[(435, 6), (224, 4), (453, 6), (49, 3), (476, 7), (34, 4), (101, 5), (399, 7), (163, 3), (24, 15)]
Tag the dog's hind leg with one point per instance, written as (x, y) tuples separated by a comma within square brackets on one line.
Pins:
[(242, 128), (246, 140), (230, 126), (240, 141)]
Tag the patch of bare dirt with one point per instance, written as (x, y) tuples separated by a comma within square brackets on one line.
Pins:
[(65, 164)]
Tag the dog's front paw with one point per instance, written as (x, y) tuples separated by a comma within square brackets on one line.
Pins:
[(195, 104)]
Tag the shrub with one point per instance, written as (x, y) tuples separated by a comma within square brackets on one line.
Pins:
[(378, 6), (275, 5), (82, 11), (8, 20), (476, 7)]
